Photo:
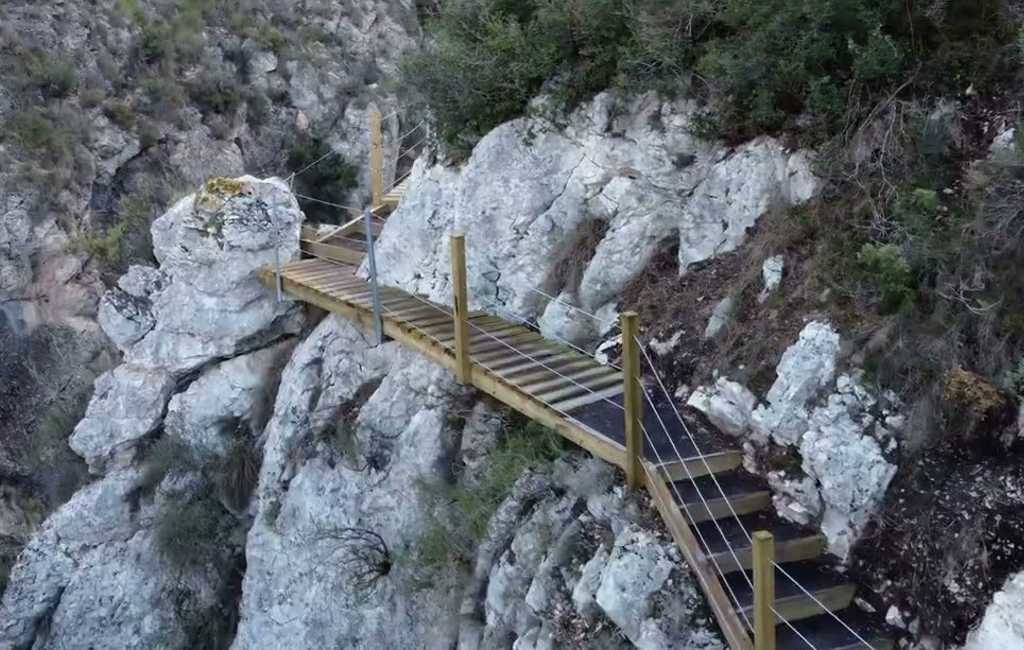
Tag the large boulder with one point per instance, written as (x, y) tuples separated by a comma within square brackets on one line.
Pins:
[(205, 303), (807, 368)]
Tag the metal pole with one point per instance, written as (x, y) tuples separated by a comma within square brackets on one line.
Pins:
[(371, 258), (631, 399), (764, 590), (460, 297)]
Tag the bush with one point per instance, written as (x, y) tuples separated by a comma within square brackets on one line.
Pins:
[(891, 274), (120, 113), (238, 474), (216, 93), (762, 63), (460, 514), (55, 78), (187, 533)]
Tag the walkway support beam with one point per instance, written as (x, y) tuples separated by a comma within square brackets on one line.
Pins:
[(764, 590), (463, 363), (376, 159), (631, 400)]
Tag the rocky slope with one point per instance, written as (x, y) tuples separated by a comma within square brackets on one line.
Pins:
[(112, 111), (238, 471)]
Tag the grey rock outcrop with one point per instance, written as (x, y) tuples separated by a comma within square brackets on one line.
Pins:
[(354, 428), (844, 435), (771, 273), (578, 569), (93, 576), (806, 369), (203, 304), (727, 404), (639, 169)]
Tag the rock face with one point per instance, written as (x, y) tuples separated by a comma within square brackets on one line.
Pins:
[(567, 561), (204, 303), (102, 571), (528, 187), (93, 577), (840, 437), (354, 428), (1001, 627)]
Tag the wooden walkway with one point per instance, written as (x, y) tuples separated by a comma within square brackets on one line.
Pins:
[(581, 399), (708, 503)]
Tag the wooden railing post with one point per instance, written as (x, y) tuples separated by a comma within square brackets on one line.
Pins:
[(376, 160), (764, 590), (631, 400), (461, 309)]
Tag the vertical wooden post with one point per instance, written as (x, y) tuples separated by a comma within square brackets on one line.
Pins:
[(376, 160), (631, 400), (461, 309), (764, 590)]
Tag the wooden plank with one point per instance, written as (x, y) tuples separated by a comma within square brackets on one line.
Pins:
[(504, 341), (587, 371), (742, 504), (510, 368), (793, 550), (800, 606), (715, 463), (376, 158), (571, 405), (631, 398), (526, 351), (729, 622), (333, 252), (571, 363), (319, 273), (569, 388)]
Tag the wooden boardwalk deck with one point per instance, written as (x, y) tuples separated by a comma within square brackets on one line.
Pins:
[(581, 399)]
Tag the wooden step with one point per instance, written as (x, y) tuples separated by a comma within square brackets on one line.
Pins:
[(581, 371), (694, 466), (568, 388), (793, 543), (740, 494), (827, 633), (792, 602), (511, 368), (576, 403)]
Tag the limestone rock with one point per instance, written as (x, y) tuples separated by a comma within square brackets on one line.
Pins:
[(795, 498), (806, 368), (126, 312), (127, 405), (631, 162), (1001, 626), (237, 391), (93, 577), (728, 405), (848, 466), (771, 273), (721, 317), (322, 473), (210, 246), (636, 569)]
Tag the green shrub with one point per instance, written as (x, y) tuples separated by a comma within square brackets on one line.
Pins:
[(1013, 379), (187, 533), (761, 63), (238, 474), (216, 93), (55, 78), (120, 113), (891, 275), (103, 246), (460, 514)]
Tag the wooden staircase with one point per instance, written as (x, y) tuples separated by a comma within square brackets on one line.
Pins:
[(709, 504)]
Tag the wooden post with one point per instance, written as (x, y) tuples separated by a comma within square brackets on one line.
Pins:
[(376, 160), (631, 399), (764, 590), (461, 309)]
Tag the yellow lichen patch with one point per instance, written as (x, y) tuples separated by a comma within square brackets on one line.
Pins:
[(973, 392), (217, 190)]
